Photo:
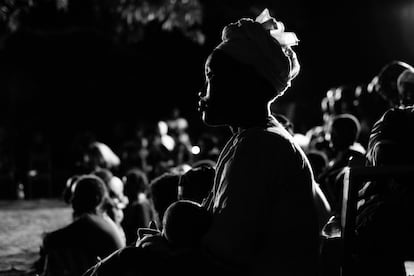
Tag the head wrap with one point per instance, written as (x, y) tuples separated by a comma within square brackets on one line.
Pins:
[(264, 45)]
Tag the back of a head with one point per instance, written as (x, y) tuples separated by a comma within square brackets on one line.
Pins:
[(185, 223), (405, 85), (164, 192), (88, 195), (136, 182), (387, 78), (196, 184), (345, 130)]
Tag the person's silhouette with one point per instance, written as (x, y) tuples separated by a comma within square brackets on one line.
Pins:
[(264, 216)]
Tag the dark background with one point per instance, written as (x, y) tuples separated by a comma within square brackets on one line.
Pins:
[(62, 74)]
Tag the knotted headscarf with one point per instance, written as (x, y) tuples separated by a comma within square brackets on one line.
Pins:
[(264, 45)]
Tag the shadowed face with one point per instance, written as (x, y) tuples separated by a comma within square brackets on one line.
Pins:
[(217, 95)]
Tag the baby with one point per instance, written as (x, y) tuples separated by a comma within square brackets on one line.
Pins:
[(184, 224)]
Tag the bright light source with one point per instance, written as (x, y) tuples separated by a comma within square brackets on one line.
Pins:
[(195, 150), (32, 173)]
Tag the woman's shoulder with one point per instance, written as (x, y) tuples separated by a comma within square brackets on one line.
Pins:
[(271, 134)]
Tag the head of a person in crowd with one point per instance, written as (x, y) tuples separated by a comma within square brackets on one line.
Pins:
[(89, 194), (196, 184), (252, 66), (164, 192), (344, 131), (385, 83), (390, 142), (136, 182), (93, 158), (184, 224), (405, 85), (116, 192)]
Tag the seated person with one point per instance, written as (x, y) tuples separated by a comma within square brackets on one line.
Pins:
[(116, 201), (139, 211), (184, 224), (174, 250), (385, 229), (344, 131), (89, 238)]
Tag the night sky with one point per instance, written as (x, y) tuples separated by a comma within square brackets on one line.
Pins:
[(81, 79)]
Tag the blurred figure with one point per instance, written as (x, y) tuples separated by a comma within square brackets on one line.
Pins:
[(116, 200), (300, 139), (163, 192), (208, 146), (344, 130), (38, 181), (385, 83), (339, 100), (134, 153), (318, 140), (177, 123), (405, 85), (97, 155), (89, 238), (172, 251), (384, 225), (139, 212), (177, 128), (160, 157), (318, 161)]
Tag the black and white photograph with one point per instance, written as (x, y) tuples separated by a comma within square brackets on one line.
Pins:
[(206, 137)]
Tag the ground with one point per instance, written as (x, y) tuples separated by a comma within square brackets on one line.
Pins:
[(22, 224)]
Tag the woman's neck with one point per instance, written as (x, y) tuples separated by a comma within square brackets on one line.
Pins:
[(251, 119)]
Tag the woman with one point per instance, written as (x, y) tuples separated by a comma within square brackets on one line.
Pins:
[(264, 216), (264, 219)]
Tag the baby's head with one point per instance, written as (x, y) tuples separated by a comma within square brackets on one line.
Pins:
[(184, 223)]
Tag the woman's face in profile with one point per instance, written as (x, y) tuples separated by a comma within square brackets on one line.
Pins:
[(217, 96)]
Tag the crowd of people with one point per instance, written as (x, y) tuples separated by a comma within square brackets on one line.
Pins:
[(260, 204)]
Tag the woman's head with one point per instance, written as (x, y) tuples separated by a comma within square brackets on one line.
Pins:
[(251, 66)]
